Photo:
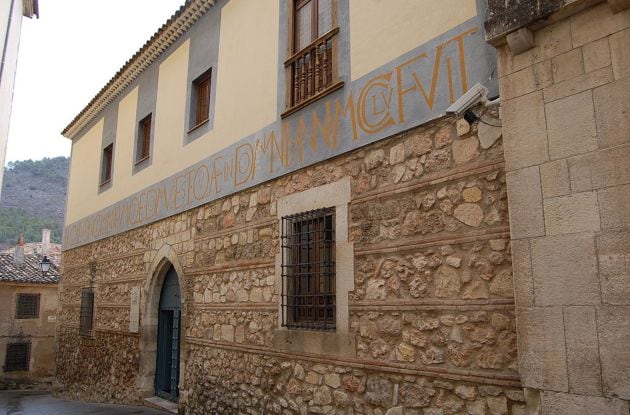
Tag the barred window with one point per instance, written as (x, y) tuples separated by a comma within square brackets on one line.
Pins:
[(308, 270), (18, 357), (27, 306), (87, 312)]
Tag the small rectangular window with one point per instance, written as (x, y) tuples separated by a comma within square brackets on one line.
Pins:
[(144, 139), (308, 270), (201, 99), (27, 306), (18, 357), (106, 168), (87, 312)]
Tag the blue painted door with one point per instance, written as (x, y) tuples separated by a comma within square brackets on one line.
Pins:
[(167, 365)]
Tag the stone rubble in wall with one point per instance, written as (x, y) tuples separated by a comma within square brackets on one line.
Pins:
[(212, 240)]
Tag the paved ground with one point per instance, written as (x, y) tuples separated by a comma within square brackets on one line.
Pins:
[(41, 403)]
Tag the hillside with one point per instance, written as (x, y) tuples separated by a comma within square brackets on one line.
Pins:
[(33, 197)]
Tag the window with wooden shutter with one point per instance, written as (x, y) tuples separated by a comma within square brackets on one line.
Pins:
[(200, 105), (143, 146), (27, 306), (86, 315), (312, 68), (106, 168), (18, 357)]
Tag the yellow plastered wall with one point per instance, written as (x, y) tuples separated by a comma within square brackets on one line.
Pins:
[(248, 74), (381, 31), (245, 102), (84, 173)]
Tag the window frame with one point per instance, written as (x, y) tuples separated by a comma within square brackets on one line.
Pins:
[(308, 270), (22, 310), (196, 118), (143, 142), (292, 104), (10, 364), (86, 312), (107, 164)]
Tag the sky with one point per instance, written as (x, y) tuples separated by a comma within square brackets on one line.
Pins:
[(65, 57)]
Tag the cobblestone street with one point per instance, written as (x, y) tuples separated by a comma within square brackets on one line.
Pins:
[(41, 403)]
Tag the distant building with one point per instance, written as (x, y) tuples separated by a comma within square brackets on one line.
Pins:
[(11, 13), (28, 316)]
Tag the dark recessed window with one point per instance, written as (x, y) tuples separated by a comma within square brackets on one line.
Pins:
[(86, 315), (27, 306), (201, 99), (144, 139), (106, 168), (308, 270), (18, 357)]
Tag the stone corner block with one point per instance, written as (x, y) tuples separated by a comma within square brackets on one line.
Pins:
[(525, 131), (525, 203), (565, 271), (541, 347)]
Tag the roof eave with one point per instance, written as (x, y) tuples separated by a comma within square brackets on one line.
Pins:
[(168, 34)]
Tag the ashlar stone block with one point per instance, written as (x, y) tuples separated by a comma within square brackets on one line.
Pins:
[(564, 270), (568, 65), (612, 112), (563, 404), (613, 250), (613, 206), (596, 23), (580, 329), (525, 81), (525, 132), (522, 270), (572, 214), (596, 55), (525, 207), (554, 178), (620, 52), (542, 353), (614, 336), (571, 125)]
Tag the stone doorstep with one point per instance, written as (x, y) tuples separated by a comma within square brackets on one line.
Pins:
[(156, 402)]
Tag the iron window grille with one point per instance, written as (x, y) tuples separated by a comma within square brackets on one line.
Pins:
[(18, 357), (308, 270), (27, 306), (87, 312)]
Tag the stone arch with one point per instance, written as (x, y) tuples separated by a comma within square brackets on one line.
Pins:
[(150, 300)]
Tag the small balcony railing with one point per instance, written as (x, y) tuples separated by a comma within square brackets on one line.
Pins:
[(312, 71)]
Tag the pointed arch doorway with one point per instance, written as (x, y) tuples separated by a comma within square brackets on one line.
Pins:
[(168, 338)]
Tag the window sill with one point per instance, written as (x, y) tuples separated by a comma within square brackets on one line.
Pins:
[(328, 343), (199, 125), (141, 160), (334, 87)]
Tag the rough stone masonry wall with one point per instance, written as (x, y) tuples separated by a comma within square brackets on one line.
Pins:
[(566, 120), (432, 309)]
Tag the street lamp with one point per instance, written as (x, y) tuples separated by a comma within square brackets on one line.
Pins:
[(45, 265)]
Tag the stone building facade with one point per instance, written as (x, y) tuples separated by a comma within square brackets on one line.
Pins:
[(566, 112), (468, 265)]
